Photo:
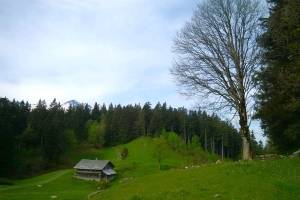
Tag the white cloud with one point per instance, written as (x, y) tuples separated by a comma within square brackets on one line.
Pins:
[(89, 50)]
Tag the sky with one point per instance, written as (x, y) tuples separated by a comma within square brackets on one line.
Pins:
[(117, 51)]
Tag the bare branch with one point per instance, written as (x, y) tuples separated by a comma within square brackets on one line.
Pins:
[(217, 55)]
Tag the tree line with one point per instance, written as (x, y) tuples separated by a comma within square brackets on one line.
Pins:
[(36, 138)]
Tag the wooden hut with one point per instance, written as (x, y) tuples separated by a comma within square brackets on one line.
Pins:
[(94, 170)]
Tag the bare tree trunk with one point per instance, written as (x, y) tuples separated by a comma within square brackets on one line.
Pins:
[(245, 134), (246, 149)]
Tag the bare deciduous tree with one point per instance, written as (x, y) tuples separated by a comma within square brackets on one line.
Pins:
[(217, 54)]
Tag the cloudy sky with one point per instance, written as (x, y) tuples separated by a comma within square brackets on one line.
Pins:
[(93, 50)]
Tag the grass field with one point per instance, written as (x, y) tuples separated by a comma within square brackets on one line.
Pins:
[(140, 178), (278, 179), (59, 184)]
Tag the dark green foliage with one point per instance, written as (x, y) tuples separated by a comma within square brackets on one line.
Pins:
[(54, 143), (76, 118), (157, 121), (279, 80), (96, 114), (147, 117), (13, 120)]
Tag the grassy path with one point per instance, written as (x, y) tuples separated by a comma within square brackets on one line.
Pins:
[(59, 174)]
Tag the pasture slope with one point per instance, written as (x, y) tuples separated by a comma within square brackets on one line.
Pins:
[(140, 178)]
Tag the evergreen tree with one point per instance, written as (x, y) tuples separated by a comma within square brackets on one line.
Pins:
[(109, 134), (34, 134), (13, 119), (148, 115), (139, 125), (279, 80), (96, 114), (156, 123), (54, 143)]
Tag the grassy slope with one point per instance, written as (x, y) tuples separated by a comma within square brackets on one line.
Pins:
[(140, 178), (278, 179), (140, 160)]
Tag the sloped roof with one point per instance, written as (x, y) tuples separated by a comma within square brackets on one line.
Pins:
[(91, 164), (109, 172)]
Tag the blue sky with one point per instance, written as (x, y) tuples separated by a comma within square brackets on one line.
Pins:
[(93, 50)]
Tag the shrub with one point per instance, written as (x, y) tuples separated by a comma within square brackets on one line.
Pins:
[(173, 140), (124, 153)]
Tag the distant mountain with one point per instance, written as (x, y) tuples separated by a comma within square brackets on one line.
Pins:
[(73, 103)]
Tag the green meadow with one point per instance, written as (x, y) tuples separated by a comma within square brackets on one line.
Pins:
[(139, 177)]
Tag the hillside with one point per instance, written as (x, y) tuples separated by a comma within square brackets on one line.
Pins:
[(141, 160), (279, 179), (139, 177)]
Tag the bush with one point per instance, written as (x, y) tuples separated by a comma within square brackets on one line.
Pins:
[(124, 153), (173, 140)]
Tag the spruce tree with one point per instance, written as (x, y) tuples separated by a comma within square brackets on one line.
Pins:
[(279, 80)]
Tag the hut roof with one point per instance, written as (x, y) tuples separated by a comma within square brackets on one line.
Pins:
[(92, 164), (109, 172)]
